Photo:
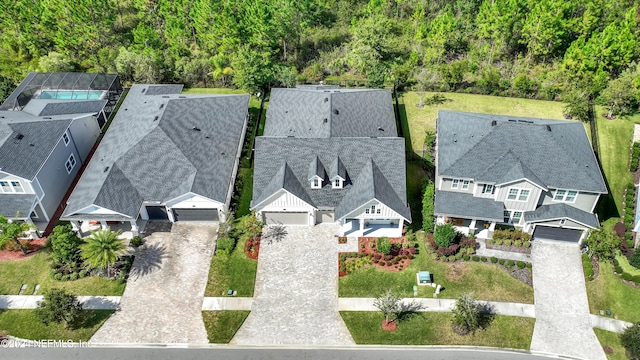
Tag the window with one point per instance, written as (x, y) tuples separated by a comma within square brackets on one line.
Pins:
[(518, 194), (378, 211), (4, 185), (465, 184), (70, 164), (315, 183), (506, 215), (366, 211), (17, 187), (517, 215), (33, 215), (65, 138), (373, 209), (454, 184), (487, 189), (337, 183), (565, 195), (563, 221)]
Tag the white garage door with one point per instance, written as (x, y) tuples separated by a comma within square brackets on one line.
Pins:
[(286, 218)]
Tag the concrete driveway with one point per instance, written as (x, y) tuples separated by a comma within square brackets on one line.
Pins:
[(563, 323), (296, 293), (163, 299)]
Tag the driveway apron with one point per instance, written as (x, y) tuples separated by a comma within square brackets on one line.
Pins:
[(163, 299), (296, 293), (563, 323)]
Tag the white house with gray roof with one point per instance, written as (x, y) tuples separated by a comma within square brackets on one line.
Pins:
[(166, 156), (538, 175), (330, 155), (45, 139)]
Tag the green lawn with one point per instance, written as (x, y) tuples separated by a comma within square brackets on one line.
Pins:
[(24, 324), (626, 267), (615, 139), (486, 281), (236, 272), (35, 270), (423, 119), (222, 325), (247, 192), (611, 339), (607, 292), (435, 329)]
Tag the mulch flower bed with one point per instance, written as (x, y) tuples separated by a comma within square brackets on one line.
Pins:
[(252, 247), (36, 245), (522, 249), (389, 326), (397, 260)]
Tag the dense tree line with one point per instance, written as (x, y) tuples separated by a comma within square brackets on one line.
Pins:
[(579, 50)]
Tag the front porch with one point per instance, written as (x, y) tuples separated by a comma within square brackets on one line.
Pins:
[(127, 229), (480, 228), (372, 228)]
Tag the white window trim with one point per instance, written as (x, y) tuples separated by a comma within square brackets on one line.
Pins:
[(488, 186), (465, 184), (70, 169), (336, 183), (34, 215), (518, 194), (8, 182), (512, 218), (12, 188), (563, 221), (455, 183), (565, 196), (65, 138), (316, 183)]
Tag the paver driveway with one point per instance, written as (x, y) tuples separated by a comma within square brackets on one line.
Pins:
[(296, 293), (563, 324), (163, 299)]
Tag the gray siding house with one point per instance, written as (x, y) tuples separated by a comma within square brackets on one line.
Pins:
[(44, 141), (166, 156), (330, 155), (534, 174)]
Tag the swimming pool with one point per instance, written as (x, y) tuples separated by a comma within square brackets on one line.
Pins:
[(71, 94)]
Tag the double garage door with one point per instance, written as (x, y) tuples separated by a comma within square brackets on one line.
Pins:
[(160, 213), (558, 234), (195, 214), (285, 218)]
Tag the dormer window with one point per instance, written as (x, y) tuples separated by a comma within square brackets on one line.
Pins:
[(316, 183), (336, 183)]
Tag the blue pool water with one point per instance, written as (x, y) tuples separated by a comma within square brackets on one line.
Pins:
[(71, 95)]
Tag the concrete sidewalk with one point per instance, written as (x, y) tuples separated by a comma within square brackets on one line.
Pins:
[(16, 302), (437, 305), (227, 303), (507, 255)]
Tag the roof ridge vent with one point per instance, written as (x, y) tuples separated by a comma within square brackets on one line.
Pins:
[(19, 136), (195, 128), (165, 96)]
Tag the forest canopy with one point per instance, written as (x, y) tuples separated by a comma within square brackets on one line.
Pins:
[(547, 49)]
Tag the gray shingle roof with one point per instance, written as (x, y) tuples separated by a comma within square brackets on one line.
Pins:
[(322, 113), (387, 183), (162, 146), (555, 153), (316, 168), (465, 205), (559, 211), (24, 157), (12, 204)]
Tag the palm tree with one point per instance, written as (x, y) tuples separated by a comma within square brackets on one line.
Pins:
[(101, 249)]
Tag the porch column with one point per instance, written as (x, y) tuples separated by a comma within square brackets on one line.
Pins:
[(492, 226), (75, 225), (134, 227), (103, 225), (361, 224), (222, 215), (400, 223), (472, 227)]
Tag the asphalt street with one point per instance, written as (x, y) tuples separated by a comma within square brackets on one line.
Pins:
[(266, 353)]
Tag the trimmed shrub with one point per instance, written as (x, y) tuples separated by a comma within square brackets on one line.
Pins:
[(452, 258), (526, 244), (475, 258), (83, 274), (65, 277), (57, 276), (529, 265), (630, 340), (520, 264), (517, 243), (498, 241), (136, 241), (501, 261), (73, 276), (494, 259), (428, 222), (507, 243), (384, 245), (483, 259), (635, 155), (225, 245), (466, 257), (510, 263), (445, 235), (634, 259)]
